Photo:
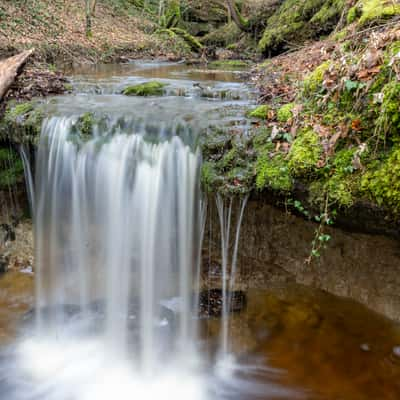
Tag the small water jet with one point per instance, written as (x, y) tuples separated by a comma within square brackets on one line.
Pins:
[(228, 277)]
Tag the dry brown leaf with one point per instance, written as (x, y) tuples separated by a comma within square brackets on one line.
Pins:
[(356, 125)]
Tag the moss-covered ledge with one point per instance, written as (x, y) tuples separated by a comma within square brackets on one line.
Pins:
[(330, 151), (21, 122)]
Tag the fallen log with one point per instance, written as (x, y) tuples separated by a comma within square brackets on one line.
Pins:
[(10, 69)]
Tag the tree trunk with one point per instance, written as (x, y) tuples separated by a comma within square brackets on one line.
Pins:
[(88, 19), (10, 69), (93, 7), (241, 22)]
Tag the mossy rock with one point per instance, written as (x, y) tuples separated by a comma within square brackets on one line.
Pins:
[(229, 164), (152, 88), (260, 112), (84, 126), (377, 10), (22, 122), (297, 21)]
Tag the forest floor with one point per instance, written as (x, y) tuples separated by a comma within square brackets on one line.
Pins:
[(56, 29)]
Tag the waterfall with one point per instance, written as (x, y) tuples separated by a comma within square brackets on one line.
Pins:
[(228, 277), (117, 227), (26, 162)]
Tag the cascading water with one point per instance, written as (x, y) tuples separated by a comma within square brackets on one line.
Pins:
[(117, 231), (119, 223)]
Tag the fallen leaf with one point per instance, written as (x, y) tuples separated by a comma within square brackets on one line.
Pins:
[(356, 125)]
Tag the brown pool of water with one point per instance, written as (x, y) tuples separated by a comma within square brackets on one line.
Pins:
[(157, 70), (16, 297), (331, 348), (328, 347)]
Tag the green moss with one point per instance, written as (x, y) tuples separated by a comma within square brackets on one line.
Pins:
[(229, 163), (374, 10), (171, 15), (296, 21), (329, 13), (339, 36), (285, 112), (343, 161), (152, 88), (193, 43), (389, 117), (11, 168), (229, 64), (273, 172), (68, 87), (18, 110), (208, 176), (340, 183), (85, 124), (382, 181), (353, 14), (314, 80), (304, 154), (22, 122), (260, 112), (344, 183)]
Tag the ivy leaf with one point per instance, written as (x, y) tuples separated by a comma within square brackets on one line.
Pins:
[(351, 85)]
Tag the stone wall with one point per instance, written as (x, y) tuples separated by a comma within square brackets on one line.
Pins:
[(274, 246)]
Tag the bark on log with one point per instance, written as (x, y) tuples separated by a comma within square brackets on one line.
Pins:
[(10, 69)]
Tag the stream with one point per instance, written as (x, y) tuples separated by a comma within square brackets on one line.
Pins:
[(111, 309)]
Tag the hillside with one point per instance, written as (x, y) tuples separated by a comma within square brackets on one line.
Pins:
[(56, 28)]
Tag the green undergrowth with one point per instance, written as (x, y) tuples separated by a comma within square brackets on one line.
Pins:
[(22, 122), (338, 140), (343, 146), (11, 168), (297, 21)]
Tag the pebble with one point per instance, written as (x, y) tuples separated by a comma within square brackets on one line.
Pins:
[(365, 347), (396, 351)]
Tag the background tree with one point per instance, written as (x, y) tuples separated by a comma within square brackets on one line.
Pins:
[(90, 6)]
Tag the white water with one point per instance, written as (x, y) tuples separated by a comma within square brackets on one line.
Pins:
[(117, 233)]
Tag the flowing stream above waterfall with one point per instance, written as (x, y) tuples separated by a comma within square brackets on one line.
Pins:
[(124, 307)]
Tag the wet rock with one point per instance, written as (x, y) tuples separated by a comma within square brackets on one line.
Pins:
[(4, 261), (211, 302), (396, 351), (365, 347), (7, 233)]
